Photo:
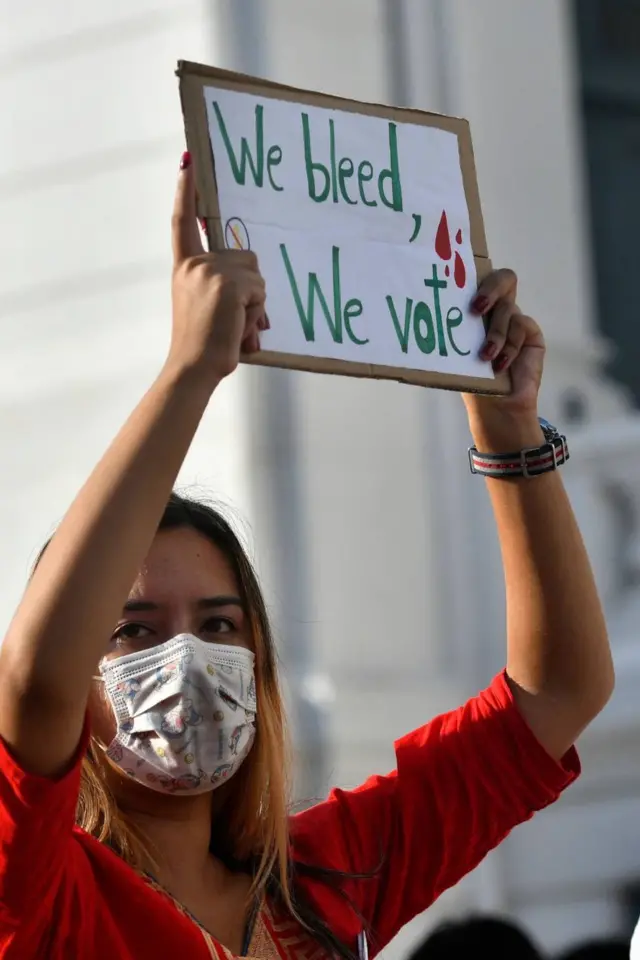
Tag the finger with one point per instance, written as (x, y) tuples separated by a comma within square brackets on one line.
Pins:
[(251, 341), (252, 289), (184, 225), (516, 339), (251, 344), (499, 285), (239, 260), (254, 316), (501, 317)]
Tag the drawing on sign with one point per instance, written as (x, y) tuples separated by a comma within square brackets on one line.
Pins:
[(236, 235), (361, 224), (443, 248)]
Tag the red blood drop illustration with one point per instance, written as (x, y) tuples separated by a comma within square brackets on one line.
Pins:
[(447, 271), (459, 236), (459, 272), (443, 241)]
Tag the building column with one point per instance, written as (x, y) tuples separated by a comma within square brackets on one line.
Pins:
[(241, 40)]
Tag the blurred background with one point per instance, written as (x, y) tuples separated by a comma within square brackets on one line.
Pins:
[(374, 542)]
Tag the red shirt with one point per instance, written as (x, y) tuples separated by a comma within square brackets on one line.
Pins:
[(462, 782)]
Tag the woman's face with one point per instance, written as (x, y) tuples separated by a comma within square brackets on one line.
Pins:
[(186, 585)]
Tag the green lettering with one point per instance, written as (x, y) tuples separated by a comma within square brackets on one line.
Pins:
[(402, 334), (422, 315), (353, 308), (239, 167), (346, 170), (332, 156), (365, 174), (454, 319), (313, 168), (315, 290), (336, 330), (274, 157), (437, 285), (392, 174)]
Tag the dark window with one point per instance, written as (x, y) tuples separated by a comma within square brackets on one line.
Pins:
[(609, 60)]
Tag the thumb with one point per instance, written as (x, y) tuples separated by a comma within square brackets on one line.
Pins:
[(185, 236)]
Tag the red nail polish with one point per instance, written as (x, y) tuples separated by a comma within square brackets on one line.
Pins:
[(479, 304), (185, 160), (501, 362), (488, 350)]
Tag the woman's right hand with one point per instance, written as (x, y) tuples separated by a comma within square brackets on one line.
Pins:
[(218, 298)]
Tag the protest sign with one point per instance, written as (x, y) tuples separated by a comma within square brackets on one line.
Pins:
[(366, 221)]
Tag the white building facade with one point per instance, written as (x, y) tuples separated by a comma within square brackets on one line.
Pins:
[(374, 542)]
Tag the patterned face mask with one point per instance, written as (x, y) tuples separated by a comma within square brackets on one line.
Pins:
[(185, 712)]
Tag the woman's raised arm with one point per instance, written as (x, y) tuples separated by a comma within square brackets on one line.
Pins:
[(65, 619), (558, 658)]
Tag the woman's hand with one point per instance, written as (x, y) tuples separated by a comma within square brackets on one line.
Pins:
[(218, 298), (513, 342)]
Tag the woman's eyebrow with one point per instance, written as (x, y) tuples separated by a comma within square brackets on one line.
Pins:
[(208, 603)]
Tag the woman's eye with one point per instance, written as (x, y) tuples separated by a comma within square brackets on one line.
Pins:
[(131, 631), (219, 625)]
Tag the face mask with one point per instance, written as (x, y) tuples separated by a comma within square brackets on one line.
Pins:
[(185, 712)]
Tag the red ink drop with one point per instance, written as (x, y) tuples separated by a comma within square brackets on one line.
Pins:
[(459, 271), (443, 241), (459, 236), (447, 271)]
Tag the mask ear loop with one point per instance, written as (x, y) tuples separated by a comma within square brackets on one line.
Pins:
[(100, 676), (98, 743)]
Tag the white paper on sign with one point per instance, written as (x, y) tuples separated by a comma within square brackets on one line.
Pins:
[(361, 228)]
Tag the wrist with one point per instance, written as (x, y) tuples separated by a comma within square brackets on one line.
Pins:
[(505, 431), (199, 382)]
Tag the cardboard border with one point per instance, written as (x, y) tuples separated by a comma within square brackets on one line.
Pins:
[(194, 77)]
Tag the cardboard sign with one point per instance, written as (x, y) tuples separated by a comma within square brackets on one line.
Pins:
[(366, 221)]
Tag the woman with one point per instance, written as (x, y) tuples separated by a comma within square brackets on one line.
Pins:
[(171, 733)]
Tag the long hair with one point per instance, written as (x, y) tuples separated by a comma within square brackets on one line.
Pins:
[(250, 811)]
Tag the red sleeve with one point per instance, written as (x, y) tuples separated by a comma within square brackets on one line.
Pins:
[(462, 783), (37, 815)]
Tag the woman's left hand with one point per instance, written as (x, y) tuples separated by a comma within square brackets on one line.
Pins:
[(513, 342)]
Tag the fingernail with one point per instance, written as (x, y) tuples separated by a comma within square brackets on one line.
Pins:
[(267, 322), (488, 350), (185, 160), (501, 363), (479, 304)]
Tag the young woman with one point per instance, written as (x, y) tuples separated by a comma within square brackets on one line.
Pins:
[(143, 807)]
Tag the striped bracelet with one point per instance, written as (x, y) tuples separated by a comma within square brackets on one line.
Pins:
[(530, 462)]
